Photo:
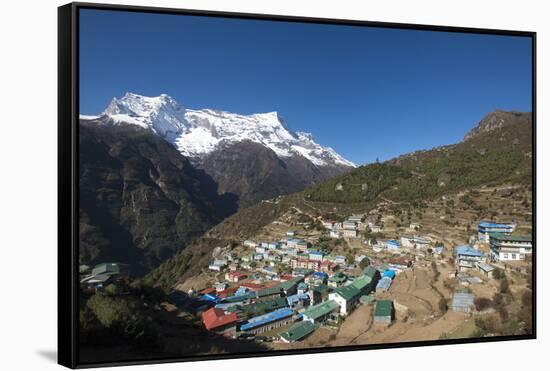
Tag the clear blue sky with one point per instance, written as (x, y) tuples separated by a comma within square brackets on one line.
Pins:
[(367, 92)]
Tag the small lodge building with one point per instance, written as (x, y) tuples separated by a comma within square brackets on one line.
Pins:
[(485, 228), (509, 248), (486, 269), (216, 320), (346, 297), (267, 322), (297, 332), (383, 312), (321, 312), (466, 257)]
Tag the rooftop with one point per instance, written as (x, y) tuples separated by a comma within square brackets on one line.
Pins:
[(505, 237), (319, 310), (361, 282), (488, 224), (347, 292), (298, 331), (215, 317), (468, 250), (383, 308), (266, 318)]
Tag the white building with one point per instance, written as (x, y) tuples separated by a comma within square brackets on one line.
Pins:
[(509, 248), (346, 297)]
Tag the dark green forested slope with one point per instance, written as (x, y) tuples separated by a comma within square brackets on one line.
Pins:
[(497, 150), (140, 199)]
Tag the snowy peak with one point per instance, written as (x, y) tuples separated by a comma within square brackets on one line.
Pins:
[(197, 133), (161, 114)]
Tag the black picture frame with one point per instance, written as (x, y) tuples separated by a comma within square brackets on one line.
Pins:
[(68, 191)]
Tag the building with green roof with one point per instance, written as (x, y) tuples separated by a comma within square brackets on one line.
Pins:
[(321, 312), (261, 307), (297, 331), (383, 312), (269, 293), (347, 298), (337, 280), (290, 287), (110, 269)]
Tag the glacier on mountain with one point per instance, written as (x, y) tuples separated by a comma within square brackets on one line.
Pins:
[(196, 133)]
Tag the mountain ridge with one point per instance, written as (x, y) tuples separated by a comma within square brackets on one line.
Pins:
[(197, 133)]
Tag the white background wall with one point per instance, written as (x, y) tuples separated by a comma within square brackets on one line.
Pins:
[(28, 58)]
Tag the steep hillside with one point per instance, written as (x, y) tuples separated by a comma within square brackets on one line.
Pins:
[(255, 172), (140, 199), (493, 157), (490, 154)]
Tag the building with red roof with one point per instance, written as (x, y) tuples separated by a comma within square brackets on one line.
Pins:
[(215, 319), (227, 292), (252, 286), (208, 290)]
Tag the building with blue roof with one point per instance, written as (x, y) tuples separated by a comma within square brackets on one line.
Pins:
[(467, 257), (389, 273), (210, 298), (393, 245), (485, 228), (267, 322), (296, 299)]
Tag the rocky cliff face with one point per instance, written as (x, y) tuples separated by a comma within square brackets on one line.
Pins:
[(140, 199)]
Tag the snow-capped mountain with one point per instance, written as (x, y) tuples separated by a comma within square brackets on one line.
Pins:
[(197, 133)]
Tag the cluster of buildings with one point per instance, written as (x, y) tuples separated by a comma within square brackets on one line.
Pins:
[(293, 252), (316, 288), (304, 301), (348, 228), (503, 247), (290, 306)]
